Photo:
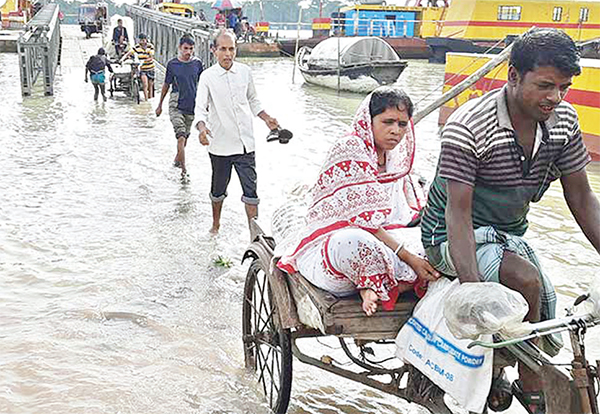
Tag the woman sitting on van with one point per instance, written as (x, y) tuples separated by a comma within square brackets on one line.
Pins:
[(364, 199)]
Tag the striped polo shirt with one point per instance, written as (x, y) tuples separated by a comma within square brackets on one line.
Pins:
[(145, 55), (480, 149)]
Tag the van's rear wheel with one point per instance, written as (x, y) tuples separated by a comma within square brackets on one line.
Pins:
[(267, 347)]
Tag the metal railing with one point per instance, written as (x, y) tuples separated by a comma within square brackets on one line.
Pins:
[(164, 31), (39, 50)]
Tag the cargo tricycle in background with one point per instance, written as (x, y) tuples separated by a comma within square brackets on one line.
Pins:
[(92, 18)]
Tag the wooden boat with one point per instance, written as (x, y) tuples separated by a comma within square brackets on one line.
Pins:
[(360, 63), (257, 49), (480, 26), (584, 94)]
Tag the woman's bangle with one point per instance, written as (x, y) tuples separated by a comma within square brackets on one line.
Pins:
[(400, 247)]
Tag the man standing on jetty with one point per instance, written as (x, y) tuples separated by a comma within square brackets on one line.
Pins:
[(499, 153), (183, 72), (227, 103)]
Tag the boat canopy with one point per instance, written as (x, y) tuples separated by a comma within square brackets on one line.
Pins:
[(352, 51)]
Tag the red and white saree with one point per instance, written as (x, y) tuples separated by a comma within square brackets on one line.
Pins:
[(351, 195)]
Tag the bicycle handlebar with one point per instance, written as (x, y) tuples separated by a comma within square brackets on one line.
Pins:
[(545, 328)]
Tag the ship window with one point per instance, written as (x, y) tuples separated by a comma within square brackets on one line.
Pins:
[(509, 12), (584, 14), (557, 14)]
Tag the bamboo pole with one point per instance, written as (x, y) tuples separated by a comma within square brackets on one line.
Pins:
[(297, 42), (458, 89), (339, 65)]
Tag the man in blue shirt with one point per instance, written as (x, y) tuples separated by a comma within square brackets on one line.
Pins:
[(183, 73), (119, 31)]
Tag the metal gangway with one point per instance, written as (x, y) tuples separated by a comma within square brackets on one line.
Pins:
[(164, 31), (39, 50)]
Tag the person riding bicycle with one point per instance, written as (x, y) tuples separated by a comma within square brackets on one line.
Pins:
[(120, 38), (144, 51), (499, 153)]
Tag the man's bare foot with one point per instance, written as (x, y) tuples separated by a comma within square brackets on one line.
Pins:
[(370, 299), (214, 230)]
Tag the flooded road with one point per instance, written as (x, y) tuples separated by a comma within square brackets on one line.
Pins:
[(109, 298)]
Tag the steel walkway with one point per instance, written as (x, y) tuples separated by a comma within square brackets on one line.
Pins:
[(165, 30), (39, 50)]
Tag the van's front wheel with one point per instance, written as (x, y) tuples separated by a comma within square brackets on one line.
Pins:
[(267, 347)]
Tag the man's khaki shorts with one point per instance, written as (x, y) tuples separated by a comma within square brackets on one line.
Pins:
[(182, 123)]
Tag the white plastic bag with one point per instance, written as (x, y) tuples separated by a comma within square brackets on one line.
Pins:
[(426, 343), (479, 308)]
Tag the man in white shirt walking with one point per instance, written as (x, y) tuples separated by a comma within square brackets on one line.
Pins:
[(227, 102)]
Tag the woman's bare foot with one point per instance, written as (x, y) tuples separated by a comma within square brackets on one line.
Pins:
[(370, 299)]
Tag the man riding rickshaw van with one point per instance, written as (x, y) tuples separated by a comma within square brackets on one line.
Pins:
[(348, 249), (120, 39)]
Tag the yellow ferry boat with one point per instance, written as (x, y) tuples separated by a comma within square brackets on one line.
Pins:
[(584, 94), (474, 26), (14, 13), (178, 9)]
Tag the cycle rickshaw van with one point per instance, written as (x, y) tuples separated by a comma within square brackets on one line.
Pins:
[(126, 78), (275, 325)]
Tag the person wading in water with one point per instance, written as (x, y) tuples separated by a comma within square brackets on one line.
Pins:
[(96, 66), (226, 115), (183, 73)]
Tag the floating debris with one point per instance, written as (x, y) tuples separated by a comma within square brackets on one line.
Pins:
[(222, 261)]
